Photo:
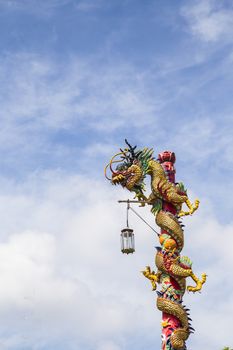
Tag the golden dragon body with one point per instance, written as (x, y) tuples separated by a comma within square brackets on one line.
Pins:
[(166, 199)]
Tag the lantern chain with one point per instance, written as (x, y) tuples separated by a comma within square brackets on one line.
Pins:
[(127, 217)]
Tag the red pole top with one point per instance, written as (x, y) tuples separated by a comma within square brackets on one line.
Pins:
[(167, 156), (167, 160)]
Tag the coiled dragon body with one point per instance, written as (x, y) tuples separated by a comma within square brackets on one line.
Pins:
[(166, 199)]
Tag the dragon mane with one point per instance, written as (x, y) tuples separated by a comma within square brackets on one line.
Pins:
[(141, 157)]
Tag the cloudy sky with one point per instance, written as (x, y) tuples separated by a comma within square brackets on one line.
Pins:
[(77, 77)]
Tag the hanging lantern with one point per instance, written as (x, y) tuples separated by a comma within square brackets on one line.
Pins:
[(127, 235), (127, 241)]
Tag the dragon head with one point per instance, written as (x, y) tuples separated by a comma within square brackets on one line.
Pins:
[(132, 168)]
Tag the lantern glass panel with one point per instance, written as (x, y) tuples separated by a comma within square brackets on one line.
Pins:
[(127, 241)]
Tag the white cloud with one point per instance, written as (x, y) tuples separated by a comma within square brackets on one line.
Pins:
[(203, 138), (40, 97), (64, 279), (108, 345), (209, 245), (63, 284), (199, 143), (209, 20)]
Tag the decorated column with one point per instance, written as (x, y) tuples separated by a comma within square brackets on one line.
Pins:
[(166, 200)]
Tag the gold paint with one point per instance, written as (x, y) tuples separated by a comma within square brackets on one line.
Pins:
[(152, 276), (168, 222), (192, 207), (175, 309), (178, 338), (165, 323), (199, 283)]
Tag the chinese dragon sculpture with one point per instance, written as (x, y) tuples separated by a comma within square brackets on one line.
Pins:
[(166, 200)]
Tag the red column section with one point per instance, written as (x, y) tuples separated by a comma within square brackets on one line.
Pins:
[(167, 160)]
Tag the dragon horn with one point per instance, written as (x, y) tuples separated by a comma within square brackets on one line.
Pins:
[(114, 161), (131, 149), (110, 164)]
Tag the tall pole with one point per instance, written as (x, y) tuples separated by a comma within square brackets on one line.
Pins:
[(169, 322), (166, 200)]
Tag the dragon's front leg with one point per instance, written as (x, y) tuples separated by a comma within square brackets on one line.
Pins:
[(152, 276), (139, 195), (192, 207), (199, 283)]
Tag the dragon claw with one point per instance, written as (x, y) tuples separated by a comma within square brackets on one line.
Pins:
[(199, 283), (152, 276)]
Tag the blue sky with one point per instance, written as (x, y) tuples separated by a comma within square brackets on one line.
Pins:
[(77, 77)]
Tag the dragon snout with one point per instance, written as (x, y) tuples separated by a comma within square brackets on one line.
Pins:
[(116, 179)]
